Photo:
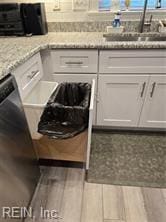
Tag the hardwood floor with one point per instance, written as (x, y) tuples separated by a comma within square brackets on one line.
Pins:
[(155, 204), (92, 208), (113, 203), (134, 205), (64, 190)]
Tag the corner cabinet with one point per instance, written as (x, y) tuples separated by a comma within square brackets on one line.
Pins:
[(132, 89), (120, 99), (154, 110)]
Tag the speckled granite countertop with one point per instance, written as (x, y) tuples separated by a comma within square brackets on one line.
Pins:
[(15, 50)]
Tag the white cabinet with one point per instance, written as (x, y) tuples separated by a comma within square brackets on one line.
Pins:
[(132, 101), (132, 61), (131, 84), (28, 74), (120, 99), (132, 88), (154, 109), (74, 61)]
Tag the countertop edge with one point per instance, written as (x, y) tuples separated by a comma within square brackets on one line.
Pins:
[(114, 45)]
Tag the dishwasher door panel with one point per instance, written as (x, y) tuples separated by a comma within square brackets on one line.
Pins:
[(19, 171)]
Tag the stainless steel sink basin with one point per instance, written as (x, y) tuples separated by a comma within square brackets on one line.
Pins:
[(159, 38), (135, 38)]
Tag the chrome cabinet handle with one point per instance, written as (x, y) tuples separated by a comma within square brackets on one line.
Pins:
[(74, 63), (97, 97), (143, 89), (33, 73), (153, 88)]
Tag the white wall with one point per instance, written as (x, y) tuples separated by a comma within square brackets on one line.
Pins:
[(65, 13)]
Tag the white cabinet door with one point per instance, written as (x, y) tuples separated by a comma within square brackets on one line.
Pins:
[(120, 99), (154, 109), (28, 74)]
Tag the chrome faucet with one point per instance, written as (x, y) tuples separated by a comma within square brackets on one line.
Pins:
[(142, 21)]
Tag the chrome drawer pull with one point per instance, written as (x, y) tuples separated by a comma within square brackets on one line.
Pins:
[(74, 63), (33, 73), (153, 88), (143, 89)]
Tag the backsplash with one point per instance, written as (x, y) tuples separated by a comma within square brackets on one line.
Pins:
[(95, 26)]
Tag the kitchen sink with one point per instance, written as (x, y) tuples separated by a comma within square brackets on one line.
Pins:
[(114, 38)]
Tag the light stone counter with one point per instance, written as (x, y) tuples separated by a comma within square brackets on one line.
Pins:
[(15, 50)]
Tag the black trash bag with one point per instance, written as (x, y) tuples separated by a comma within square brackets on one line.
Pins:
[(67, 111)]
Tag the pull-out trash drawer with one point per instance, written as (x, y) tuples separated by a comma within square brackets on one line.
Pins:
[(35, 102), (75, 148)]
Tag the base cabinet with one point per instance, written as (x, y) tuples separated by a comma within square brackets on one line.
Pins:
[(130, 84), (120, 99), (154, 110), (132, 101)]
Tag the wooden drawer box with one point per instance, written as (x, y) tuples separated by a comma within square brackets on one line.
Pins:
[(72, 149), (74, 61), (132, 61)]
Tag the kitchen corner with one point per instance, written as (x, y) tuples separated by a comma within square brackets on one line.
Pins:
[(83, 107), (17, 50)]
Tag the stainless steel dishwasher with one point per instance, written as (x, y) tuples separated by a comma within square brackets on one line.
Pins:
[(19, 171)]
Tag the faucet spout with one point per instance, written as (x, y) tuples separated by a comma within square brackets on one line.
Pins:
[(142, 21)]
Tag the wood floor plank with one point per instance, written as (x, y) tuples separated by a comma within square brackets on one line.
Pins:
[(113, 202), (92, 210), (114, 221), (39, 200), (56, 185), (134, 205), (154, 204), (72, 198), (164, 193), (49, 192)]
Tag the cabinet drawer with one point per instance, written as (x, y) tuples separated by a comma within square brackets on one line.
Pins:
[(132, 61), (74, 61), (28, 74), (73, 149)]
